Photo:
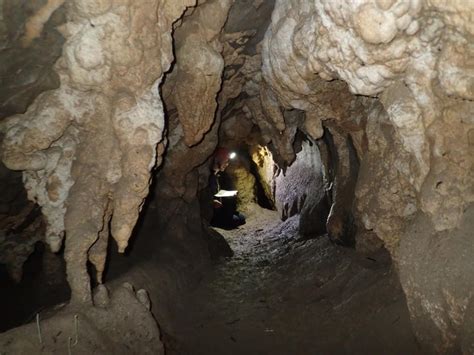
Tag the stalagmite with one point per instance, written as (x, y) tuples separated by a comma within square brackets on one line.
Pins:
[(98, 252)]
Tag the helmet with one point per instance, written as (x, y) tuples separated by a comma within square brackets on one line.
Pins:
[(221, 155)]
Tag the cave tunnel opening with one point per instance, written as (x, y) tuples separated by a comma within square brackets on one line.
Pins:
[(257, 265), (251, 174), (261, 189)]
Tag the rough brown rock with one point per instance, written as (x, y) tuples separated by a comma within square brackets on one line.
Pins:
[(266, 169), (441, 305), (199, 68), (344, 168), (244, 182), (126, 319), (391, 81), (30, 46), (107, 106), (403, 53)]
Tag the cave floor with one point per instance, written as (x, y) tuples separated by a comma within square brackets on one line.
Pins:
[(280, 294)]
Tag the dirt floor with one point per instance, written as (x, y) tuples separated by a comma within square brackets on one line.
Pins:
[(278, 294), (283, 295)]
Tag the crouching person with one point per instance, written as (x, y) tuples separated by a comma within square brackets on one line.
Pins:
[(224, 201)]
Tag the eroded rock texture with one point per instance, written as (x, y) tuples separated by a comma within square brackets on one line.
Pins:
[(199, 68), (87, 148), (175, 243), (382, 88), (403, 53), (300, 190), (245, 183), (191, 98), (265, 169), (342, 168)]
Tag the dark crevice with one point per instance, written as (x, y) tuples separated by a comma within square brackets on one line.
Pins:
[(43, 286)]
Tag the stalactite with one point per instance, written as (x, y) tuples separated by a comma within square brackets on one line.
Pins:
[(94, 139)]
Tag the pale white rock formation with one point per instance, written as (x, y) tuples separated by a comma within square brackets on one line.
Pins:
[(399, 48), (415, 57), (266, 170), (87, 148)]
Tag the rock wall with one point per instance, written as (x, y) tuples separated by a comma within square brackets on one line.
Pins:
[(265, 169), (301, 189), (197, 75), (21, 225), (341, 172), (244, 182), (186, 169), (30, 46), (26, 60), (174, 244), (391, 81), (86, 150), (417, 149)]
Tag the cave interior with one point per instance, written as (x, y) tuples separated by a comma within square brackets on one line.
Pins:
[(351, 128)]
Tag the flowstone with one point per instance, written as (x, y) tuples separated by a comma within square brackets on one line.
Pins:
[(416, 153), (87, 148)]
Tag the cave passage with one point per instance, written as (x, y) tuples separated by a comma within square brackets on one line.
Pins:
[(285, 290), (284, 294), (352, 124), (275, 285)]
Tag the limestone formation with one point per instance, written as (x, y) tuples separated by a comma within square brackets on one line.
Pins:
[(402, 52), (344, 166), (358, 116), (199, 68), (87, 148), (384, 199), (266, 169), (244, 183), (301, 190)]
